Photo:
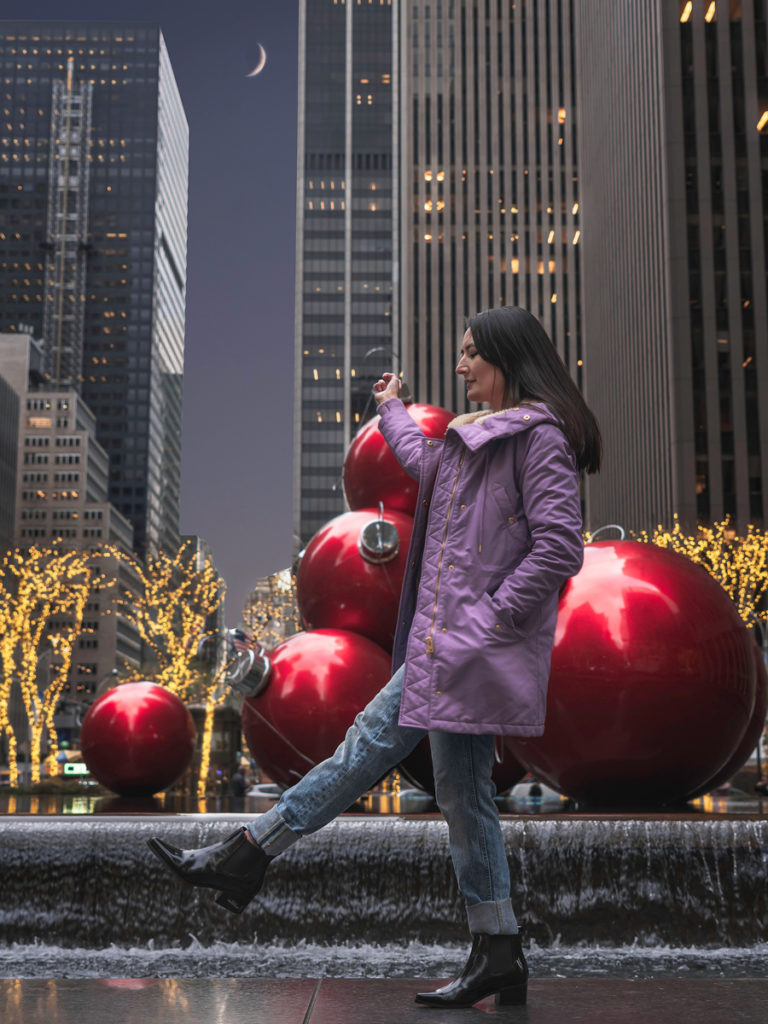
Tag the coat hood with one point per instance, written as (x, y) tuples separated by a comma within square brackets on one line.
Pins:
[(477, 428)]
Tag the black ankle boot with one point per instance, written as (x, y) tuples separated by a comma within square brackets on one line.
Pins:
[(496, 965), (235, 866)]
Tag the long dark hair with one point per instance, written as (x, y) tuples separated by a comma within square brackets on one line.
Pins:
[(513, 340)]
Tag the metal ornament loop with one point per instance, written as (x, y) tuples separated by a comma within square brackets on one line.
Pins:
[(608, 526), (247, 671), (379, 541)]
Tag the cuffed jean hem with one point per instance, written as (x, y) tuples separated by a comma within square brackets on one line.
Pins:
[(271, 832), (492, 918)]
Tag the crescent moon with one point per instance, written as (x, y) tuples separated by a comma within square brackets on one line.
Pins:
[(260, 66)]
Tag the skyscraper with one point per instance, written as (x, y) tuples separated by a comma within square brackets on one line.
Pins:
[(61, 495), (94, 153), (454, 190), (673, 138), (345, 241), (488, 171)]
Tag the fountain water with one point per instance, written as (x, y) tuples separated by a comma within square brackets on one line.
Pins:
[(611, 880)]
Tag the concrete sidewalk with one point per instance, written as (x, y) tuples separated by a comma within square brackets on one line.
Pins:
[(373, 1001)]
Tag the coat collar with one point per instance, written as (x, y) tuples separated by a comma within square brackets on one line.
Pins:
[(477, 428)]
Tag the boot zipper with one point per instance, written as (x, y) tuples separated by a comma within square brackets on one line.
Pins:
[(430, 637)]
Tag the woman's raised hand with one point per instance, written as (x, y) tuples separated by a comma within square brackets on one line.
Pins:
[(388, 386)]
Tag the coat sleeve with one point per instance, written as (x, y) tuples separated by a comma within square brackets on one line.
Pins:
[(403, 435), (549, 485)]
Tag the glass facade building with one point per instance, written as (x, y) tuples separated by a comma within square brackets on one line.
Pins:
[(675, 258), (423, 203), (345, 238), (489, 178), (93, 203)]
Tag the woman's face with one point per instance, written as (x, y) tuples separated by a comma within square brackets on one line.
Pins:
[(484, 382)]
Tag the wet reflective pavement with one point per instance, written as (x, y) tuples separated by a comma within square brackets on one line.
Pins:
[(379, 1001)]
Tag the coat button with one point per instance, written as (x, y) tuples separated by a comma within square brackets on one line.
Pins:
[(425, 503), (413, 563), (498, 625), (444, 629), (430, 443), (462, 506), (438, 693), (512, 519), (451, 566), (526, 417)]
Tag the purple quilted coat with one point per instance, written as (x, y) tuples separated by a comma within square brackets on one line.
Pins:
[(497, 531)]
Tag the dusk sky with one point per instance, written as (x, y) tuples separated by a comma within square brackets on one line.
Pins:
[(238, 375)]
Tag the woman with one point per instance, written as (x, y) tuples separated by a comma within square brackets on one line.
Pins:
[(497, 532)]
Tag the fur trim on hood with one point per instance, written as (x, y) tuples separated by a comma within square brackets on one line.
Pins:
[(473, 417)]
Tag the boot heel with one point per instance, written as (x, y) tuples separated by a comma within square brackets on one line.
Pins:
[(235, 904), (515, 995)]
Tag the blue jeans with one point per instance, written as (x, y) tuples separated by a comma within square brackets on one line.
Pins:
[(464, 790)]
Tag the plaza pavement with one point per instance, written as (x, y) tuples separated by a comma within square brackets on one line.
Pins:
[(374, 1001)]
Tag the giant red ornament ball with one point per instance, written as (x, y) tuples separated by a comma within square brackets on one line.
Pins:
[(317, 683), (372, 473), (652, 683), (338, 588), (137, 739), (752, 733)]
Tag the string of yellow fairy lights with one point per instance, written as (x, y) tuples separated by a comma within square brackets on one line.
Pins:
[(170, 609), (43, 594), (738, 563)]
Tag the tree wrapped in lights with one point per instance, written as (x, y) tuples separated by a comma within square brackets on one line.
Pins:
[(175, 598), (271, 611), (215, 694), (739, 564), (43, 594)]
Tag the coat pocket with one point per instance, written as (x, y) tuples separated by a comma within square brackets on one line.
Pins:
[(507, 538), (496, 627), (499, 625)]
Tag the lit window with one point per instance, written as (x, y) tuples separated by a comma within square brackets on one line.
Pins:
[(763, 121), (711, 11), (576, 237), (551, 237), (686, 11)]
